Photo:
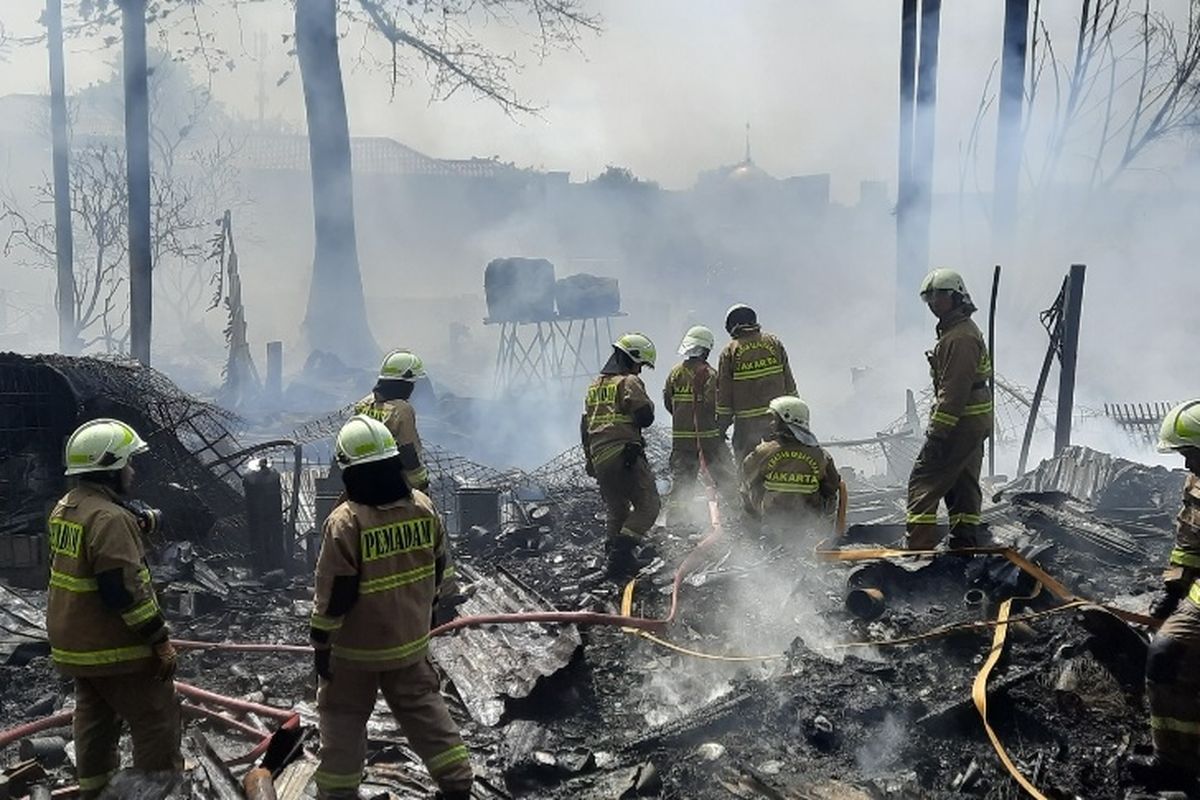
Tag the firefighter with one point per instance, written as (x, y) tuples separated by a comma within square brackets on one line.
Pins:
[(105, 626), (616, 411), (388, 403), (1181, 434), (753, 369), (949, 462), (382, 560), (789, 481), (694, 423), (1173, 661)]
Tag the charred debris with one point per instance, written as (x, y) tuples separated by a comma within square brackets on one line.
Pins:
[(765, 685)]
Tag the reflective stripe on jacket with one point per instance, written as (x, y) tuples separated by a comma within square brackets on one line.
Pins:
[(609, 412), (753, 370), (781, 474), (960, 367), (691, 420), (392, 551), (90, 533)]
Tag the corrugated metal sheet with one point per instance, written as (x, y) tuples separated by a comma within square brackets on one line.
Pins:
[(500, 662)]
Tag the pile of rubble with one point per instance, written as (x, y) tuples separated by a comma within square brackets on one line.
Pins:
[(765, 685)]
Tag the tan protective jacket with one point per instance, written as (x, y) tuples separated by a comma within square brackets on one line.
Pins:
[(91, 534), (960, 367), (393, 552), (401, 420), (609, 412), (692, 419), (783, 475), (1186, 553), (753, 370)]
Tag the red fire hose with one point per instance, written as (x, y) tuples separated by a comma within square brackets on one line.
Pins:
[(59, 720)]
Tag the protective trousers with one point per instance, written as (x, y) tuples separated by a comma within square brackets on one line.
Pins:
[(413, 693), (152, 711), (1173, 687), (749, 433), (630, 494), (946, 469), (685, 466)]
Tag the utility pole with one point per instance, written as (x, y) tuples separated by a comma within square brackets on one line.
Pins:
[(1072, 313), (137, 168), (915, 206), (1008, 134), (904, 184), (64, 243)]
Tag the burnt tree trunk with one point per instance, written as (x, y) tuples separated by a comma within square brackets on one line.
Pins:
[(64, 242), (137, 171), (336, 319)]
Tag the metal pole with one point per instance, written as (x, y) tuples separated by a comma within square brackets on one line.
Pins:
[(1072, 312), (992, 376), (64, 242), (1036, 403), (904, 188), (1008, 135), (137, 166), (924, 141)]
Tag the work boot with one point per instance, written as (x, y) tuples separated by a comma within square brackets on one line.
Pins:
[(625, 557), (966, 536), (1158, 775)]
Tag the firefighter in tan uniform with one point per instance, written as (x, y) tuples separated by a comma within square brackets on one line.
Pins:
[(1173, 662), (616, 411), (949, 463), (105, 627), (694, 421), (388, 403), (753, 370), (789, 482), (383, 556)]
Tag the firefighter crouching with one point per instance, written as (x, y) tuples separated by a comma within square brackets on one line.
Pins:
[(382, 560), (1173, 662), (690, 395), (753, 369), (616, 410), (105, 627), (789, 482), (388, 403), (949, 462)]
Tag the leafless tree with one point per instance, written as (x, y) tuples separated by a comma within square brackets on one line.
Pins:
[(443, 36), (1134, 80)]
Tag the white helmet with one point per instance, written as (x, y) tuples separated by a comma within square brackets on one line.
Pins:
[(638, 347), (1180, 428), (696, 341), (401, 365), (794, 413), (363, 440), (944, 280), (102, 445)]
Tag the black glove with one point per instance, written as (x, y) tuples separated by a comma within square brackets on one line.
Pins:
[(1166, 601), (633, 451), (589, 468), (322, 663)]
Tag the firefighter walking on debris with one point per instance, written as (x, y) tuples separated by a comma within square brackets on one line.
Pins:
[(753, 369), (105, 626), (382, 561), (388, 403), (1173, 663), (616, 411), (949, 463), (690, 396), (789, 481)]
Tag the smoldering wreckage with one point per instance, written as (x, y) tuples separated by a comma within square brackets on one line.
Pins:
[(734, 669)]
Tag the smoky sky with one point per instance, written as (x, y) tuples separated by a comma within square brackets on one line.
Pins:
[(666, 89)]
